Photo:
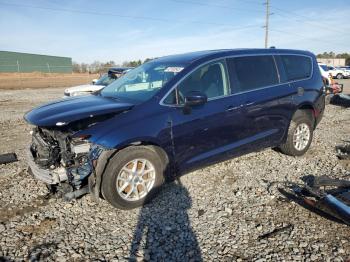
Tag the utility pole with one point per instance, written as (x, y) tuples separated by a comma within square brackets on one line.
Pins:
[(267, 3)]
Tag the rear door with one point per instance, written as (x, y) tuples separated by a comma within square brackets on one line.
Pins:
[(267, 100), (298, 71)]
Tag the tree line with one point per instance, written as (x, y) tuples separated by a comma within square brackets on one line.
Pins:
[(330, 55), (98, 67)]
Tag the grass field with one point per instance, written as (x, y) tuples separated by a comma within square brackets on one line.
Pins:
[(43, 80)]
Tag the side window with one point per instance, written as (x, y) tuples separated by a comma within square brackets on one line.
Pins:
[(297, 67), (210, 79), (252, 72)]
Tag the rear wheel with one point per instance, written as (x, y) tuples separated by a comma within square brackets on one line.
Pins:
[(300, 134), (132, 177), (339, 76)]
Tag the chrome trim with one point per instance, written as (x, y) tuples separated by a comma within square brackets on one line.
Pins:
[(239, 93)]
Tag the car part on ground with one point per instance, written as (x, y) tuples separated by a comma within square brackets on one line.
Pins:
[(8, 158), (335, 88), (340, 100), (334, 201), (343, 152)]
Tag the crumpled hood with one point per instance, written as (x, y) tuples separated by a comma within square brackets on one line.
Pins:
[(84, 88), (73, 109)]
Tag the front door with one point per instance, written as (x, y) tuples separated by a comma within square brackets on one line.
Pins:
[(201, 136)]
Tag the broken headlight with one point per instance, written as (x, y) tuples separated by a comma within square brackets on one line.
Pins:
[(80, 145)]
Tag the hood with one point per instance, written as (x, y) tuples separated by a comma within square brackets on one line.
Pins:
[(73, 109), (84, 88)]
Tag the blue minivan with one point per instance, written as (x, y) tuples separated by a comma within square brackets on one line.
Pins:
[(172, 115)]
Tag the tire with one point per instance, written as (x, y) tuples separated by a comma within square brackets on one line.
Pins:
[(115, 177), (302, 119), (340, 76), (328, 99)]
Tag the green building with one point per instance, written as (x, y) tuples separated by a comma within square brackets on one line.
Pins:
[(23, 62)]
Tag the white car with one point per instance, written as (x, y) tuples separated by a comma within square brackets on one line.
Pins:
[(325, 74), (346, 69), (96, 85), (335, 72)]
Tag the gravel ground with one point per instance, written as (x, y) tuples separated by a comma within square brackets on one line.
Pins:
[(218, 213)]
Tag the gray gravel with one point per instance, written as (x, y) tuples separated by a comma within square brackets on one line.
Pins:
[(217, 213)]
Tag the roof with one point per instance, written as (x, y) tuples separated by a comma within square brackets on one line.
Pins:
[(188, 58), (21, 53)]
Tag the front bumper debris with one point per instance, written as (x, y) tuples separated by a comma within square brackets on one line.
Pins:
[(51, 177), (334, 201)]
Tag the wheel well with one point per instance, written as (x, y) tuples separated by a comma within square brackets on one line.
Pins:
[(309, 108), (95, 181), (158, 149)]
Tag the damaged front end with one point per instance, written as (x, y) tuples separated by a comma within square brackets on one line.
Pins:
[(61, 153), (62, 161)]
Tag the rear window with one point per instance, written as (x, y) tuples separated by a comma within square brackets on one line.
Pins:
[(252, 72), (297, 67)]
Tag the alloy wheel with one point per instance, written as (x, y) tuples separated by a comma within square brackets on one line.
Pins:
[(136, 179), (301, 136)]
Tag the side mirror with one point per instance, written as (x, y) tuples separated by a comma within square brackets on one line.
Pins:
[(195, 98)]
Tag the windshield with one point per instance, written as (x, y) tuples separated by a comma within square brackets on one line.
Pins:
[(141, 83), (105, 80)]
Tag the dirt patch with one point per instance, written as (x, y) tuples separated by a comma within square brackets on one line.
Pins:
[(36, 80), (42, 228), (8, 210)]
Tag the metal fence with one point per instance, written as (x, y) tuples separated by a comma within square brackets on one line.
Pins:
[(25, 62), (27, 68)]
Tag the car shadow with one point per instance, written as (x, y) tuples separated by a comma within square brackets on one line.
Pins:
[(164, 231)]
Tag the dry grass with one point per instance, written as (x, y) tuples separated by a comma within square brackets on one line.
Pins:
[(43, 80)]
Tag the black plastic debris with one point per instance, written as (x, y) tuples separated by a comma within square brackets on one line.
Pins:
[(289, 228), (341, 100), (328, 195), (8, 158), (343, 152)]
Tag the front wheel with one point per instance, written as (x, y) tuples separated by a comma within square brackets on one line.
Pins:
[(340, 76), (300, 134), (132, 177)]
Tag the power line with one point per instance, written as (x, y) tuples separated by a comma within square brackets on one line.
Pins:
[(126, 16), (215, 5), (267, 25), (306, 37), (291, 15)]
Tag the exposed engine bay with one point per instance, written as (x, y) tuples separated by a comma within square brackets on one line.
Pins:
[(60, 154), (62, 161)]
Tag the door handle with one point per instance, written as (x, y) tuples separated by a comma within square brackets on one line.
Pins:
[(232, 108), (249, 103)]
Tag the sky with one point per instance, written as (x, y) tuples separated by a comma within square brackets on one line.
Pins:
[(124, 30)]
